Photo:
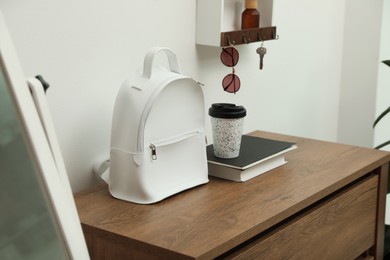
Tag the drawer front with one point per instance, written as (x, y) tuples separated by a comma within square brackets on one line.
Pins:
[(341, 227)]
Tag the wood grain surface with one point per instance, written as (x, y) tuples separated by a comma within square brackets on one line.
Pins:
[(209, 220)]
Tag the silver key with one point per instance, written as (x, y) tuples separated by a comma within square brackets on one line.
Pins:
[(261, 51)]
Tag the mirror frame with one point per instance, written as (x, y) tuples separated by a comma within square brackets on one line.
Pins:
[(53, 184)]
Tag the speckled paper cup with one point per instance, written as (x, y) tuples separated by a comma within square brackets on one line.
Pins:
[(227, 121)]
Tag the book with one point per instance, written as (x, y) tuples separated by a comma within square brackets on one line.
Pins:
[(257, 155)]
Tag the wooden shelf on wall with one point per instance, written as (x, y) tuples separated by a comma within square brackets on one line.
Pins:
[(218, 20), (248, 36)]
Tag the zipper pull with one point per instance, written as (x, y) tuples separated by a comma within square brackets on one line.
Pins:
[(154, 152), (200, 84)]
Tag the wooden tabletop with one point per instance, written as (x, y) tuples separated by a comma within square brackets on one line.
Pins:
[(205, 221)]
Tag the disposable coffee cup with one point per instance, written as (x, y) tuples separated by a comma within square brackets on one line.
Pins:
[(227, 121)]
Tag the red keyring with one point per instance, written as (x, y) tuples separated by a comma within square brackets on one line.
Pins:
[(229, 57), (231, 83)]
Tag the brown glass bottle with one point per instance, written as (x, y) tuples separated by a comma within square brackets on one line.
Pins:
[(250, 18)]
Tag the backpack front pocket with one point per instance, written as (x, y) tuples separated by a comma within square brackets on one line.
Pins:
[(177, 159)]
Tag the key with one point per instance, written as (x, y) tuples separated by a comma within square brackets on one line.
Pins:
[(261, 51)]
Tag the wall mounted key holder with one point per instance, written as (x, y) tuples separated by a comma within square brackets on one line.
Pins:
[(218, 23)]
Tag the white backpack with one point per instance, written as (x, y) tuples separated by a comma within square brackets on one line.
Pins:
[(157, 141)]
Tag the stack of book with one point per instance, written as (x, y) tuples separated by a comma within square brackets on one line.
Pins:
[(257, 155)]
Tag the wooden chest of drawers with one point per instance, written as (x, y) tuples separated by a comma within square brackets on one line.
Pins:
[(327, 202)]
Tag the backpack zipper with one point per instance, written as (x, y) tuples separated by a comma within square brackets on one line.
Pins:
[(174, 139), (146, 111), (154, 151), (138, 159)]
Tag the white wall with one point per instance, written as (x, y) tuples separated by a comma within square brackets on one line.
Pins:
[(85, 49), (297, 92), (362, 28)]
